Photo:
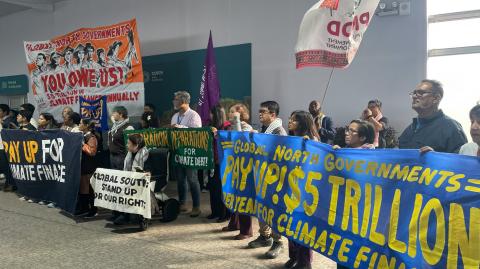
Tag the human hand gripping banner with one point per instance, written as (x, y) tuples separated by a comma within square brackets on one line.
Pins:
[(87, 62), (122, 191), (361, 208), (191, 147), (45, 165)]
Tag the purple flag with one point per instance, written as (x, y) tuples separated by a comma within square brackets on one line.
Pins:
[(209, 87)]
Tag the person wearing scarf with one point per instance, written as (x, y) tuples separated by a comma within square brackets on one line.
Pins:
[(116, 143), (268, 114), (373, 114), (323, 123), (135, 160)]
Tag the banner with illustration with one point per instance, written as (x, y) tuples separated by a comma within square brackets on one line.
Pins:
[(95, 110), (191, 147), (122, 191), (91, 62), (331, 32), (45, 165), (361, 208)]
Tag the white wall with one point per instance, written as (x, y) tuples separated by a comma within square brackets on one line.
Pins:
[(391, 60)]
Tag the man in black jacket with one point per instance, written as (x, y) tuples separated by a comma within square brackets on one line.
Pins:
[(431, 129)]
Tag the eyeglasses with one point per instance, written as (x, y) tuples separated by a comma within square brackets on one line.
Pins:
[(351, 131), (419, 93), (263, 111)]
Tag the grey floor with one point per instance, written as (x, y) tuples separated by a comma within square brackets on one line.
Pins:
[(34, 236)]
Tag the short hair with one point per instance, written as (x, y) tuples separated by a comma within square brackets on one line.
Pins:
[(75, 117), (243, 110), (27, 114), (184, 96), (43, 56), (152, 106), (375, 102), (475, 112), (5, 108), (137, 139), (100, 51), (90, 124), (121, 110), (437, 86), (29, 107), (365, 129), (272, 107)]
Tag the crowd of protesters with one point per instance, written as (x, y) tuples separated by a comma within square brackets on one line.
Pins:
[(430, 130)]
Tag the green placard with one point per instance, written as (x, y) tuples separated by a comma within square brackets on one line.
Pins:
[(192, 147), (14, 85)]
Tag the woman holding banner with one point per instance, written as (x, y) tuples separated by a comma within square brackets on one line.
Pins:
[(136, 160), (360, 134), (86, 198), (301, 124), (217, 114), (239, 116)]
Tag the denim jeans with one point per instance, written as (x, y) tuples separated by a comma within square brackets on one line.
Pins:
[(186, 180)]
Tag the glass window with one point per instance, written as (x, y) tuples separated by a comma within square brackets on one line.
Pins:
[(450, 34), (435, 7), (459, 76)]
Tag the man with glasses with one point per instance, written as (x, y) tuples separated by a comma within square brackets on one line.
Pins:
[(431, 129), (271, 124)]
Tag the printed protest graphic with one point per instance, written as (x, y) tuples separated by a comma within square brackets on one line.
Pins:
[(45, 165), (361, 208), (94, 62), (331, 32), (190, 147), (122, 191), (95, 110)]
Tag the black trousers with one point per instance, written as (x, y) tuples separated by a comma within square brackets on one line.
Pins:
[(5, 169), (215, 187)]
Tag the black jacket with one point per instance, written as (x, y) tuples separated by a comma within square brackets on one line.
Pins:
[(439, 132)]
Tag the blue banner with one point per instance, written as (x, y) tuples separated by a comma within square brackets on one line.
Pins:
[(95, 110), (361, 208)]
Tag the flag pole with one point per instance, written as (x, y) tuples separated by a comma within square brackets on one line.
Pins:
[(326, 88)]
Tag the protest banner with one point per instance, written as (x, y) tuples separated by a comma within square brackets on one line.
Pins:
[(45, 165), (122, 191), (191, 147), (95, 110), (331, 32), (361, 208), (92, 62)]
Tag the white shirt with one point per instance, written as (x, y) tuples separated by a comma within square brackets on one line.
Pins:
[(469, 149), (34, 123), (189, 119)]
